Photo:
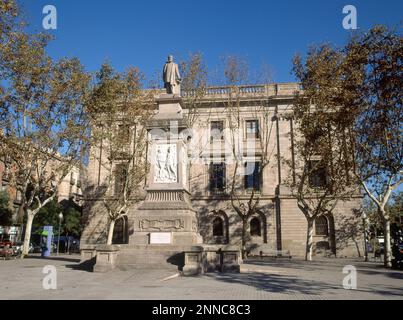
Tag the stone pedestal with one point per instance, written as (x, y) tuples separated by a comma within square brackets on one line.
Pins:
[(230, 259), (106, 258), (88, 253), (193, 261), (166, 218), (204, 259), (211, 258)]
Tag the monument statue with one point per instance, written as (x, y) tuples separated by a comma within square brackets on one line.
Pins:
[(171, 77)]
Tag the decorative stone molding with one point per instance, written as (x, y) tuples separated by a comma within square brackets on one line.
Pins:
[(160, 225), (165, 196)]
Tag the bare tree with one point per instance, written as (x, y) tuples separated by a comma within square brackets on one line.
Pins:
[(245, 204), (194, 86)]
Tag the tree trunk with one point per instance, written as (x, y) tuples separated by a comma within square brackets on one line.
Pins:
[(68, 244), (357, 246), (110, 233), (387, 249), (309, 241), (27, 237), (244, 224)]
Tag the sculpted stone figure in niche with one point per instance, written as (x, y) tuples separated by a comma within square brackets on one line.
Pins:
[(166, 170)]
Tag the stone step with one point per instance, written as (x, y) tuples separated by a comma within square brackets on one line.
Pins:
[(150, 257), (148, 247), (146, 266)]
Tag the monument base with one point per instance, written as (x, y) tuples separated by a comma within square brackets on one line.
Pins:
[(165, 218), (152, 257), (165, 224)]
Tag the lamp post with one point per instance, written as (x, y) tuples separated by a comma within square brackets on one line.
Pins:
[(364, 219), (58, 239)]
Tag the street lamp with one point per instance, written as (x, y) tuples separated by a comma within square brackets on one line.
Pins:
[(58, 239), (364, 219)]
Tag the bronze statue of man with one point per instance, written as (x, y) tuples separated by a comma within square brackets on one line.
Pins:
[(171, 77)]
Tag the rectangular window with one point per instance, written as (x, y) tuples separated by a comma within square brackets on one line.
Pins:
[(120, 178), (217, 177), (217, 130), (122, 141), (252, 129), (317, 174), (123, 135), (252, 176)]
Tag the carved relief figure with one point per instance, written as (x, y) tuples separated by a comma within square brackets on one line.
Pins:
[(160, 165), (166, 164), (171, 165)]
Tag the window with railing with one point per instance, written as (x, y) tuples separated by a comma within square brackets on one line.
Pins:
[(252, 129), (252, 176), (321, 226), (216, 130), (218, 227), (317, 174), (217, 178), (255, 227)]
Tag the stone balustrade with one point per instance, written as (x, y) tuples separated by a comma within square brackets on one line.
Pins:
[(268, 90)]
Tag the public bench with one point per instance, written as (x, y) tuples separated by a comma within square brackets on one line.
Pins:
[(262, 252)]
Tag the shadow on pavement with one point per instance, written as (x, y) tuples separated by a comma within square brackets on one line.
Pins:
[(54, 258), (83, 266), (276, 283)]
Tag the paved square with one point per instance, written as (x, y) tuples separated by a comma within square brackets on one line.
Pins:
[(261, 280)]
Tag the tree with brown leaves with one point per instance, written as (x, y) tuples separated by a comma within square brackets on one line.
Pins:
[(120, 108), (42, 112)]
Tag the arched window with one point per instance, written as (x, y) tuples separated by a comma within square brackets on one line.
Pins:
[(121, 231), (255, 229), (218, 227), (321, 226)]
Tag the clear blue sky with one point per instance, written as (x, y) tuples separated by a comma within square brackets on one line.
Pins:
[(143, 33)]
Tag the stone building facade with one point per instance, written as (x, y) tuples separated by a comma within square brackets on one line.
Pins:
[(266, 130)]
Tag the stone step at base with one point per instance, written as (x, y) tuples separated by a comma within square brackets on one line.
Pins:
[(170, 269), (153, 257), (148, 247)]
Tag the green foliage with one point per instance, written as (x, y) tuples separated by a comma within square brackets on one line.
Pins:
[(49, 215), (5, 212), (72, 222)]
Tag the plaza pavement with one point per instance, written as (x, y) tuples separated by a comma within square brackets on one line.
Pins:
[(259, 280)]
